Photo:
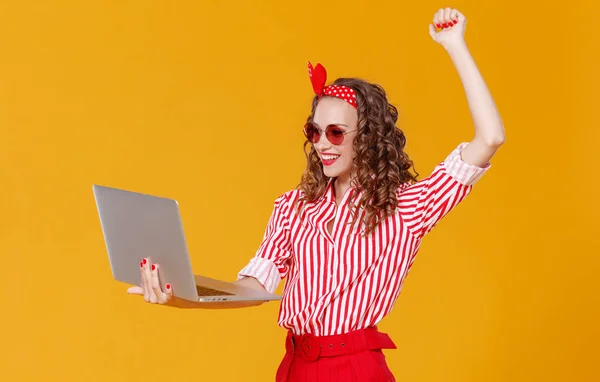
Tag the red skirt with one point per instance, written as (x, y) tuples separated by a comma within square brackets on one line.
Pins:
[(354, 356)]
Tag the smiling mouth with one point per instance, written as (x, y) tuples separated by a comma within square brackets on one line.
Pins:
[(328, 160)]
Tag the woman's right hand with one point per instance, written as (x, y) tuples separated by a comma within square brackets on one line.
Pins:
[(151, 290), (150, 286)]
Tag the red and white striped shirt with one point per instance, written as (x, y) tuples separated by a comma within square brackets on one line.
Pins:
[(338, 282)]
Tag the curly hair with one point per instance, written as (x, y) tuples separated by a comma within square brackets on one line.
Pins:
[(380, 165)]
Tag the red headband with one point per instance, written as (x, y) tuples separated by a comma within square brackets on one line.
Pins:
[(318, 77)]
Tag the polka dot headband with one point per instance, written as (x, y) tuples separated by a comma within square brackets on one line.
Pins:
[(318, 78)]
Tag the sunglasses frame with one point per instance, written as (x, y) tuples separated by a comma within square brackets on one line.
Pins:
[(328, 133)]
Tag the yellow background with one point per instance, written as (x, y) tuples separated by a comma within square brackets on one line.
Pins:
[(204, 102)]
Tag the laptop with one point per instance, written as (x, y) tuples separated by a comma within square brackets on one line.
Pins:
[(137, 225)]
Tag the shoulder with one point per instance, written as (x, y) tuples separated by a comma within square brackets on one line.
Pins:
[(288, 198), (438, 170), (290, 195), (453, 168)]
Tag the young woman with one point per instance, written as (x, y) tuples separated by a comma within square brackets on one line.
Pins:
[(346, 238)]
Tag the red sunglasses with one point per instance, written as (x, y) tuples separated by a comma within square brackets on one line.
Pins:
[(334, 133)]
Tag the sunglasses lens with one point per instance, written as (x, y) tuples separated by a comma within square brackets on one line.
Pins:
[(312, 133), (335, 135)]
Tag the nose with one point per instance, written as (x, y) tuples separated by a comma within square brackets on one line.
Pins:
[(323, 143)]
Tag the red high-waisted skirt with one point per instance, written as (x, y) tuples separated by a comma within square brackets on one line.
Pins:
[(351, 357)]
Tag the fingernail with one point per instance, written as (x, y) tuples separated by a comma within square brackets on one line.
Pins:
[(141, 264), (145, 261), (445, 25), (168, 286), (455, 21), (153, 267), (438, 25)]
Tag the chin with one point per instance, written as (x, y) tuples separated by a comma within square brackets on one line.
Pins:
[(332, 172), (328, 173)]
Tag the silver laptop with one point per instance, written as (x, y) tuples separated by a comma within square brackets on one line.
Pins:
[(137, 225)]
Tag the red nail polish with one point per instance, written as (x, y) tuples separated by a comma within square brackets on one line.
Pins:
[(438, 25), (141, 264), (455, 21), (145, 261), (445, 25), (168, 286), (153, 267)]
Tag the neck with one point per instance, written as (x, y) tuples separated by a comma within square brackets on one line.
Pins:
[(341, 185)]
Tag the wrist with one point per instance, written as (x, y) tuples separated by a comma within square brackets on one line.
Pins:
[(456, 47)]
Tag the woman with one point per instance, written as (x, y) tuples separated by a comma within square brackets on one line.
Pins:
[(347, 237)]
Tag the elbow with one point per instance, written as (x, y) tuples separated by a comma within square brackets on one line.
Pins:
[(495, 142), (492, 142)]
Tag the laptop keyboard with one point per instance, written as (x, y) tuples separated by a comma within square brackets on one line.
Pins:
[(204, 291)]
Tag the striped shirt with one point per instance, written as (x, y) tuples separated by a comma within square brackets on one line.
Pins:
[(344, 281)]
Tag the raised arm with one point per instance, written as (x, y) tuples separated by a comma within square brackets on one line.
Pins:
[(448, 30)]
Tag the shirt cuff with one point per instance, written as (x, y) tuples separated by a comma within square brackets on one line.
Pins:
[(464, 173), (265, 271)]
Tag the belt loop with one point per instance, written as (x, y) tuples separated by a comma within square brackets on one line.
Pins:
[(378, 340)]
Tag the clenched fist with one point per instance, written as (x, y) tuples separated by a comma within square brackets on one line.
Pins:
[(448, 27)]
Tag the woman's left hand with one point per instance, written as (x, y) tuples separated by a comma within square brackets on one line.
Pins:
[(451, 25)]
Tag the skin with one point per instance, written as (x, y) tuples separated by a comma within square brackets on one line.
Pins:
[(489, 129), (448, 30), (334, 111)]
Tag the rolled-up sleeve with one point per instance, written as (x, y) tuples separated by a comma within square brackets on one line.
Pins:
[(423, 204), (464, 173), (271, 261)]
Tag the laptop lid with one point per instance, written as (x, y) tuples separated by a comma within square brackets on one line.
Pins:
[(138, 225)]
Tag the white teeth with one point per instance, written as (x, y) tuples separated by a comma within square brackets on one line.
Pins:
[(330, 157)]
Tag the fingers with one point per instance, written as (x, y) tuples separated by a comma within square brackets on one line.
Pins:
[(437, 21), (143, 265), (161, 298), (441, 19), (150, 285), (169, 291), (454, 16), (136, 290), (445, 18), (148, 269), (432, 30)]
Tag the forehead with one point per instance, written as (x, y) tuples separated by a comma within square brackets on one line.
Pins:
[(334, 110)]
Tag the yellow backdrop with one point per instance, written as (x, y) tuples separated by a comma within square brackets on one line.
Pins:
[(204, 102)]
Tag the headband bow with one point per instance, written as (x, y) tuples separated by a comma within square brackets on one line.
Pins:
[(318, 78)]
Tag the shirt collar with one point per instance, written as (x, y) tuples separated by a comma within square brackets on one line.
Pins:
[(328, 195)]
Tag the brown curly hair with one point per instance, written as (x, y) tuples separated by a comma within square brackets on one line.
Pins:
[(380, 165)]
